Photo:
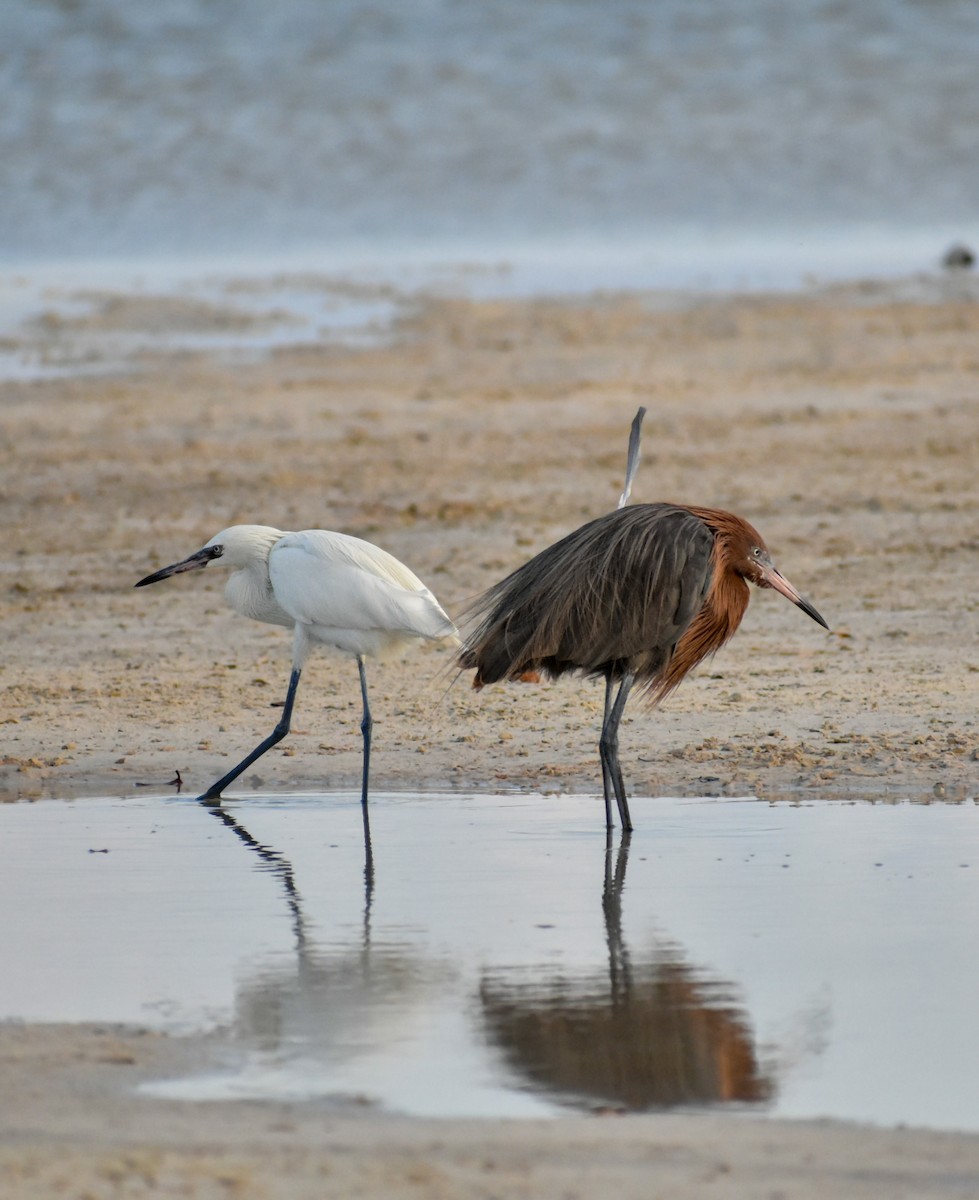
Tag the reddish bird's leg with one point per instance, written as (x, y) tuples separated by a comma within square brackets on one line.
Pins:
[(606, 781), (608, 749)]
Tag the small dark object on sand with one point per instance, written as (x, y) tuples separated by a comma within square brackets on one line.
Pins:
[(176, 782), (959, 257)]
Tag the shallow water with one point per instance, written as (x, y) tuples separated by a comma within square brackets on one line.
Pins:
[(99, 318), (169, 151), (811, 960), (179, 128)]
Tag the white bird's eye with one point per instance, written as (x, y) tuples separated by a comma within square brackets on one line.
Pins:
[(756, 551)]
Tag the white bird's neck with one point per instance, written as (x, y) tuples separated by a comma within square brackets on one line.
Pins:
[(249, 590)]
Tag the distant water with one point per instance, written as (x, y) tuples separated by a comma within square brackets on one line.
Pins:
[(182, 128)]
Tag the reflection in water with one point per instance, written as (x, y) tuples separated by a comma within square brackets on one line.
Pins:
[(279, 866), (309, 1014), (337, 1007), (482, 976), (655, 1034)]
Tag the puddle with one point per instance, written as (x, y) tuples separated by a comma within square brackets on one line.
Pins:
[(117, 322), (803, 961)]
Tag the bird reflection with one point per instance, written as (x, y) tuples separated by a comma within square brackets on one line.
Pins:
[(281, 868), (652, 1034), (645, 1032), (278, 865), (300, 1017)]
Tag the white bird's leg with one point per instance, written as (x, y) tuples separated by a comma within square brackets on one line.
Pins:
[(366, 725), (277, 734), (609, 749)]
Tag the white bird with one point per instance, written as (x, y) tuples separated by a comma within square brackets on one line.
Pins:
[(327, 587)]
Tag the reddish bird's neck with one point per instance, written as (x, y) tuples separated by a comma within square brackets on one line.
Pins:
[(724, 605)]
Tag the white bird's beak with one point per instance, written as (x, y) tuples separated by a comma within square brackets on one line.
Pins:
[(196, 561)]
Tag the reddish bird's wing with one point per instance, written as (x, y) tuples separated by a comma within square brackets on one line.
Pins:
[(616, 594)]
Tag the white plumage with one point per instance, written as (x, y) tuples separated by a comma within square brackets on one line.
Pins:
[(333, 588), (330, 588), (352, 595)]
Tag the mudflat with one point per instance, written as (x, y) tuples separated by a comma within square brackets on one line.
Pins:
[(842, 422)]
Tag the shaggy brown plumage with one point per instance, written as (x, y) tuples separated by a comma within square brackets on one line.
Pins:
[(640, 595), (646, 589)]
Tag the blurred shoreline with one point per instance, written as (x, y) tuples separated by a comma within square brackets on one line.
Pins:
[(686, 258), (104, 315)]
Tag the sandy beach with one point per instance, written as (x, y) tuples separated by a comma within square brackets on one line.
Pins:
[(842, 422)]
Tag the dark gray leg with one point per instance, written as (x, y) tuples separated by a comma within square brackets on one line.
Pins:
[(609, 749), (620, 973), (277, 734), (366, 725), (606, 778)]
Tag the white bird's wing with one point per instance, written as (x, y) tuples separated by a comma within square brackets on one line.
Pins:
[(336, 582)]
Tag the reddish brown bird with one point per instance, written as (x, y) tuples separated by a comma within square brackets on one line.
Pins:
[(640, 595)]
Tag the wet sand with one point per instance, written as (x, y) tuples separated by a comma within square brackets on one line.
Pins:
[(843, 423), (76, 1131)]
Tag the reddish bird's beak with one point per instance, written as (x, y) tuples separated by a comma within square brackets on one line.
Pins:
[(197, 560), (774, 578)]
